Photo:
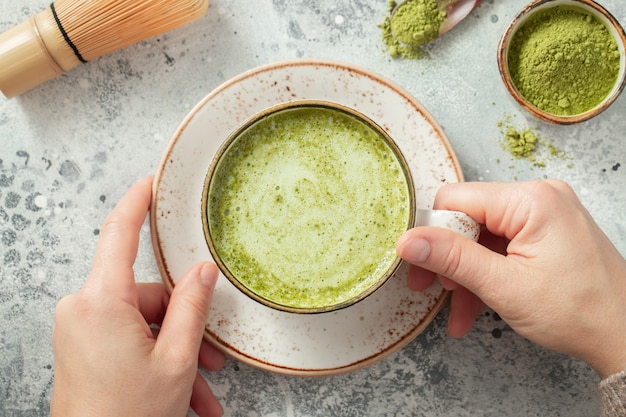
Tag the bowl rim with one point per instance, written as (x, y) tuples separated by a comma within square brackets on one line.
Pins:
[(615, 28), (232, 138)]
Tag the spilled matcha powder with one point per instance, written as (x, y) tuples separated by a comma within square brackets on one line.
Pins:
[(522, 144), (527, 144), (414, 23), (564, 60)]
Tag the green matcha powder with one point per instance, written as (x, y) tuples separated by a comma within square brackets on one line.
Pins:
[(564, 60), (413, 25)]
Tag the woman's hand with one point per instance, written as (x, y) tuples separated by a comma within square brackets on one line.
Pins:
[(127, 349), (544, 266)]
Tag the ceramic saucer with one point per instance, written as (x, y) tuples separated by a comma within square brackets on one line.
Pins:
[(288, 343)]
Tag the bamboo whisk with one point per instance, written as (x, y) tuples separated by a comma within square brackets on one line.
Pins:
[(70, 32)]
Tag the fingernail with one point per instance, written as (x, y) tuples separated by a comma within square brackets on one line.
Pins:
[(415, 251), (208, 276)]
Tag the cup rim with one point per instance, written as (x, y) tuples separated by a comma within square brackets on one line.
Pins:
[(236, 133), (601, 13)]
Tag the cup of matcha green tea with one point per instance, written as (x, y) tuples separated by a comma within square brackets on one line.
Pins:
[(303, 204), (563, 60)]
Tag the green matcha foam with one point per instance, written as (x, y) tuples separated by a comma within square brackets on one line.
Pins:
[(306, 205)]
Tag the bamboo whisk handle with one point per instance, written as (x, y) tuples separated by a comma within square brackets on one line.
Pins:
[(73, 31), (31, 54)]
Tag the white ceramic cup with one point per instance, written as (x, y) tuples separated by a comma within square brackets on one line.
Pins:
[(456, 221)]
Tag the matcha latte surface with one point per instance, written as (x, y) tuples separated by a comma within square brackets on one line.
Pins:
[(305, 206)]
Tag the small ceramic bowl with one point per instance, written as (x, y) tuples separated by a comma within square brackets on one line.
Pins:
[(542, 5)]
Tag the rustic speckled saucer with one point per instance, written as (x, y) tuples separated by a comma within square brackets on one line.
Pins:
[(287, 343)]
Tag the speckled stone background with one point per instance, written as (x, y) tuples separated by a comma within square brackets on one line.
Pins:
[(71, 148)]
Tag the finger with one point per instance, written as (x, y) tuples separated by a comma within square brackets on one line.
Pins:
[(119, 241), (419, 279), (448, 284), (210, 357), (464, 307), (184, 322), (455, 257), (502, 207), (203, 402), (153, 301)]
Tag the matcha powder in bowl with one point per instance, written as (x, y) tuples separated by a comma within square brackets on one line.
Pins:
[(564, 58)]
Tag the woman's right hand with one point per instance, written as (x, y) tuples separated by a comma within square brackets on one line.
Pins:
[(543, 265)]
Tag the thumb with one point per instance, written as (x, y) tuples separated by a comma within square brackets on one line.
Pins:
[(456, 257), (184, 322)]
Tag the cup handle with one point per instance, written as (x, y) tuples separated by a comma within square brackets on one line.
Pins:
[(456, 221)]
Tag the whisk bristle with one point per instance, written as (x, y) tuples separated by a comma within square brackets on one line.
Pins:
[(98, 27)]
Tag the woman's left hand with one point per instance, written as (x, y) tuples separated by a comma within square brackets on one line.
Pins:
[(129, 349)]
